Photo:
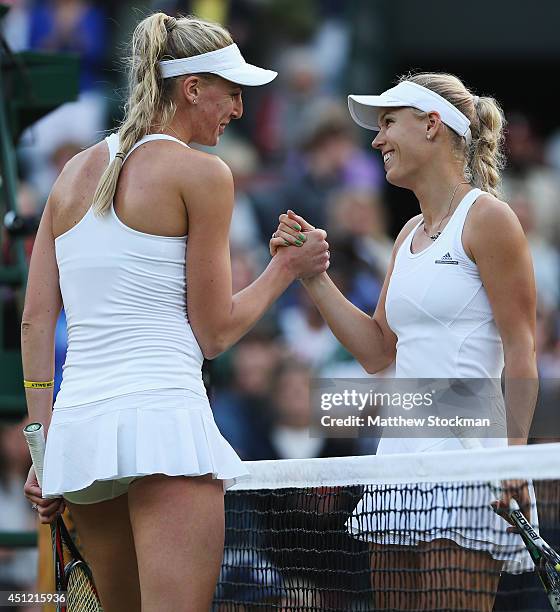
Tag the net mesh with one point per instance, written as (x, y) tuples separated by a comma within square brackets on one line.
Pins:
[(407, 532)]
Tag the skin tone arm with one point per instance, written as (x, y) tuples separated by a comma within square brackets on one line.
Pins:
[(498, 245), (43, 303), (369, 339), (219, 319), (494, 239)]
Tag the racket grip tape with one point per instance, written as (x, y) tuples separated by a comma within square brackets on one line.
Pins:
[(34, 434)]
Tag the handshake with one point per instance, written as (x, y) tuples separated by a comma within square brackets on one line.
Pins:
[(311, 255)]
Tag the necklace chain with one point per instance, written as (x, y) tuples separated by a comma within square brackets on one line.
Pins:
[(170, 128), (438, 232)]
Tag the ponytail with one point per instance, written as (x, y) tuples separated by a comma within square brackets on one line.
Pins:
[(486, 158)]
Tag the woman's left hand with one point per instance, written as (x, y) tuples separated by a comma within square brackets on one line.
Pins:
[(519, 491), (48, 509), (291, 232)]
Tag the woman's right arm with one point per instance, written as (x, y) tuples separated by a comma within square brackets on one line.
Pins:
[(369, 339), (218, 318)]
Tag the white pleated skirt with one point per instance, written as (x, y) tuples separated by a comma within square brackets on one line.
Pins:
[(408, 515), (114, 441)]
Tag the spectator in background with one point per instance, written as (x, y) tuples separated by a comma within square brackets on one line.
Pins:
[(358, 277), (546, 425), (303, 564), (546, 258), (356, 225), (548, 346), (23, 224), (332, 43), (289, 436), (245, 267), (282, 116), (327, 160), (242, 409), (242, 159), (526, 172), (60, 348), (47, 163), (71, 26), (67, 26), (362, 251), (62, 154), (552, 152), (29, 207), (359, 214), (326, 123), (306, 334)]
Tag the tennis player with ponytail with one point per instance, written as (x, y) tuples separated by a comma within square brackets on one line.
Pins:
[(132, 447), (458, 302)]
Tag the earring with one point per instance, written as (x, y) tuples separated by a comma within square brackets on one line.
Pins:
[(195, 101), (428, 136)]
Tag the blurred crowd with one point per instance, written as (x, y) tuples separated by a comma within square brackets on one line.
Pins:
[(295, 148)]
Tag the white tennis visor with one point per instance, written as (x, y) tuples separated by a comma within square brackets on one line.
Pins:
[(365, 109), (227, 63)]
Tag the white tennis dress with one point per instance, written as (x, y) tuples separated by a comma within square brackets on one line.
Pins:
[(132, 401), (439, 310)]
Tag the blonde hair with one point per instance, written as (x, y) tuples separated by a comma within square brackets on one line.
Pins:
[(155, 38), (484, 157)]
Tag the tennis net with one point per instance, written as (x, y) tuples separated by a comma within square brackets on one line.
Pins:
[(393, 532)]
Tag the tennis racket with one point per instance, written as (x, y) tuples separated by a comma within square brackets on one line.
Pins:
[(545, 558), (75, 576)]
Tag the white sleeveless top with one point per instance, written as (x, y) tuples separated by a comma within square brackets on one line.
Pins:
[(439, 310), (132, 401), (124, 295)]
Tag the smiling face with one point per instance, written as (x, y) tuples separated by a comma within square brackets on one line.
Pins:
[(402, 143), (217, 102)]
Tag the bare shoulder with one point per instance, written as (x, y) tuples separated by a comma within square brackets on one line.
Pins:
[(96, 155), (201, 167), (489, 215), (206, 181), (87, 164), (487, 209), (491, 223)]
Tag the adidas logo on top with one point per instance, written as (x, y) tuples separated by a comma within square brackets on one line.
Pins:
[(447, 259)]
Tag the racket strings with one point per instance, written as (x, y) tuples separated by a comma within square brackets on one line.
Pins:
[(81, 593), (553, 577)]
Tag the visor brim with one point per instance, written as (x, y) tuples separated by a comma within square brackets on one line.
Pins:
[(364, 110), (248, 75)]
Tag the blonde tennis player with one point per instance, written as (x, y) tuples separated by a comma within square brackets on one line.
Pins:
[(458, 302), (132, 447)]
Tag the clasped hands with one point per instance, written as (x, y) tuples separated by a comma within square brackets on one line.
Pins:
[(311, 255)]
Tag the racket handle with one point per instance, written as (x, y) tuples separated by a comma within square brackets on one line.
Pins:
[(34, 434), (513, 505)]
